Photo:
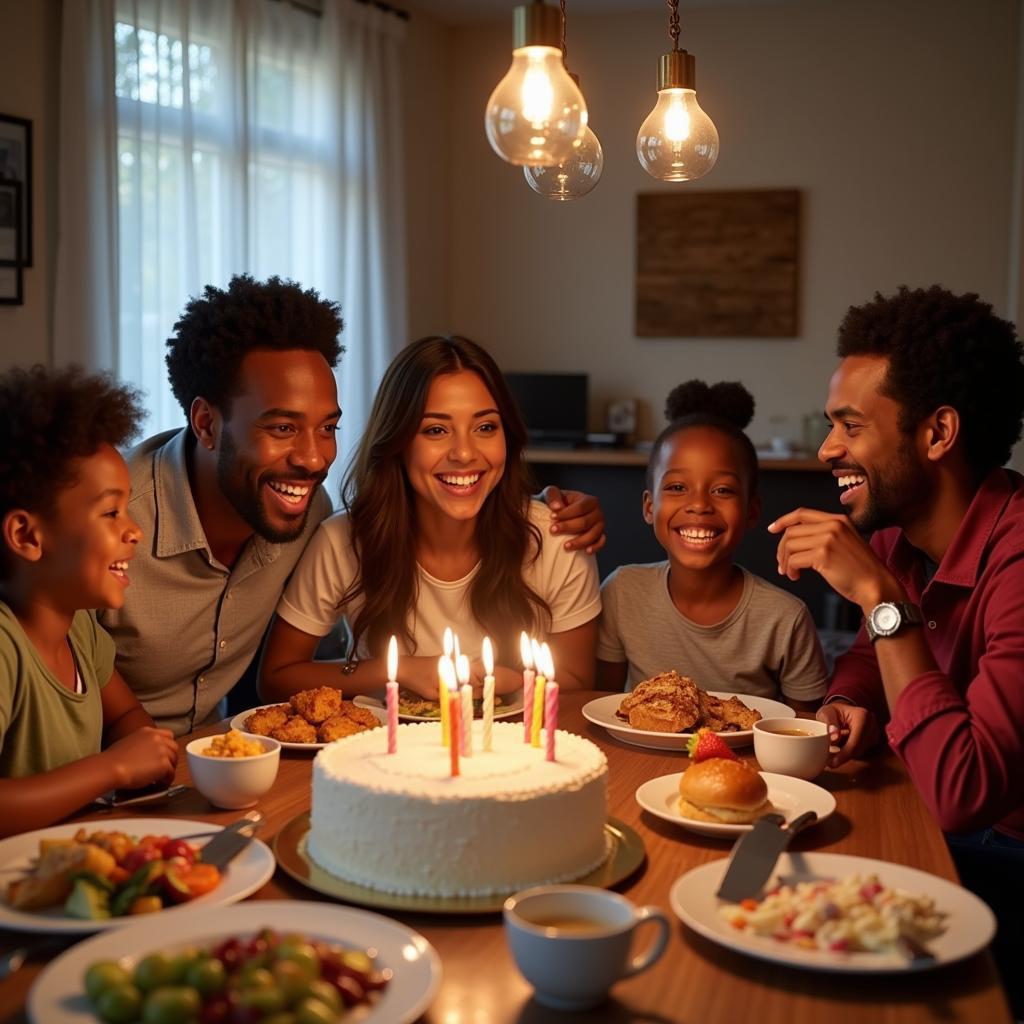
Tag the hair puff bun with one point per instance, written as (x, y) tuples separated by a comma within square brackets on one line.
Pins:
[(727, 400)]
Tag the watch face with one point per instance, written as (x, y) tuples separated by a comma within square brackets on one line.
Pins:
[(885, 618)]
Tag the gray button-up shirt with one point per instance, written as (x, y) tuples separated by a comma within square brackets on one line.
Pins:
[(190, 626)]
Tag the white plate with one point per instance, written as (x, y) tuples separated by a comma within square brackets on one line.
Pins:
[(57, 997), (509, 710), (970, 924), (602, 712), (238, 722), (242, 877), (788, 796)]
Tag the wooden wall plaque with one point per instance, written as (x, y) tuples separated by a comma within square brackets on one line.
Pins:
[(718, 264)]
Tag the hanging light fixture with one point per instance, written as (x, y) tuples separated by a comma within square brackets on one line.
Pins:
[(536, 111), (577, 175), (677, 141)]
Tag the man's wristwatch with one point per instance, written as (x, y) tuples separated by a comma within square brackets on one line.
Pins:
[(889, 617)]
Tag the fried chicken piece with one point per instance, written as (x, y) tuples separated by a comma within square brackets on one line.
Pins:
[(265, 720), (295, 730), (665, 703), (347, 722), (738, 716), (363, 717), (317, 705)]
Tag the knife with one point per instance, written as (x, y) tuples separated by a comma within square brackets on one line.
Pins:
[(756, 852), (231, 840)]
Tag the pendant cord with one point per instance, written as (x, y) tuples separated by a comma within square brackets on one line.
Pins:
[(565, 52), (673, 22)]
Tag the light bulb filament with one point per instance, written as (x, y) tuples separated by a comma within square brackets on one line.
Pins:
[(538, 95), (677, 121)]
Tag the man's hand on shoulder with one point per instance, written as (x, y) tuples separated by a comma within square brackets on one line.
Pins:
[(577, 514)]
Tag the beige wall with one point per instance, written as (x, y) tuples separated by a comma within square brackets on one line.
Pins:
[(29, 41), (895, 120)]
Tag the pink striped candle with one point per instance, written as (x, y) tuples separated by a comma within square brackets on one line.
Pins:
[(551, 717), (526, 653), (392, 696)]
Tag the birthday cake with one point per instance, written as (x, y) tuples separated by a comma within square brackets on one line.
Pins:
[(401, 823)]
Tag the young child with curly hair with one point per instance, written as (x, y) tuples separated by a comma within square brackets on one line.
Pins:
[(67, 544), (699, 612)]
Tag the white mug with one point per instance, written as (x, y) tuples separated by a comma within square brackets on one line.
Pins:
[(572, 942), (777, 749)]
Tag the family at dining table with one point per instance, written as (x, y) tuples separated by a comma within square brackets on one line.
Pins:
[(224, 522)]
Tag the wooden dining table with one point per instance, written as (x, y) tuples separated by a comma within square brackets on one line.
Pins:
[(879, 814)]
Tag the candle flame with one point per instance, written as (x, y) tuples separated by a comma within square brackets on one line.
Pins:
[(447, 670), (536, 656), (487, 655), (545, 663), (392, 658), (448, 641), (458, 650), (462, 668), (525, 651)]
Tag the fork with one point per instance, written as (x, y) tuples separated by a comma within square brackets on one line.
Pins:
[(251, 819)]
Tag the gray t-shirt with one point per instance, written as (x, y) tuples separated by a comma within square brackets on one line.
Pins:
[(190, 626), (767, 644)]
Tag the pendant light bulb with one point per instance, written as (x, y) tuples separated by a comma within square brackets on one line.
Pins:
[(677, 141), (536, 112), (572, 178)]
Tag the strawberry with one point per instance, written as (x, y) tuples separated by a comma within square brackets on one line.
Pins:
[(705, 744)]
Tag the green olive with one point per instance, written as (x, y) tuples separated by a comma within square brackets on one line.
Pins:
[(171, 1004), (119, 1004), (153, 971), (301, 953), (313, 1011), (254, 976), (207, 976), (181, 962), (324, 992), (357, 960), (280, 1018), (292, 978), (102, 975), (266, 1000)]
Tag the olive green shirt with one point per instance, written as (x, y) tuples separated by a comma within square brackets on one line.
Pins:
[(189, 625), (43, 724)]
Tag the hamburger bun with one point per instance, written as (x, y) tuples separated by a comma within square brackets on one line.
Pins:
[(724, 791)]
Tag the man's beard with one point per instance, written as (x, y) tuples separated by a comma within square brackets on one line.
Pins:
[(248, 503), (893, 491)]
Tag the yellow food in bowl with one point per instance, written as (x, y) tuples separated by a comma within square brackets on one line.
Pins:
[(233, 744)]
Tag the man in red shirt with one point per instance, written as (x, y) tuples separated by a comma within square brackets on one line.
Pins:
[(924, 408)]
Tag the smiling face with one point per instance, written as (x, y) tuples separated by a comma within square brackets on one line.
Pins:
[(458, 454), (279, 440), (881, 479), (90, 538), (699, 505)]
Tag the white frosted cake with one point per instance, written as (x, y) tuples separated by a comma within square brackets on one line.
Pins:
[(400, 823)]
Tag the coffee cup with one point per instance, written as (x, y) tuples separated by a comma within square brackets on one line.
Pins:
[(791, 746), (572, 942)]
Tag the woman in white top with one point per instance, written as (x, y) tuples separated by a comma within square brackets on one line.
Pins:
[(438, 530)]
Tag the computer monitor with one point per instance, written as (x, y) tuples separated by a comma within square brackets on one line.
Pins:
[(553, 405)]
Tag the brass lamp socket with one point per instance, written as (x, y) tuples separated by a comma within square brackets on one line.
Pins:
[(536, 24), (677, 70)]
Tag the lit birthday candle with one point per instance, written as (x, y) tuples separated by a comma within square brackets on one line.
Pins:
[(538, 696), (487, 655), (550, 701), (451, 699), (526, 653), (466, 691), (392, 695), (442, 695)]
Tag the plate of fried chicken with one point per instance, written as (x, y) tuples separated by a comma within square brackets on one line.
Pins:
[(310, 720), (665, 711)]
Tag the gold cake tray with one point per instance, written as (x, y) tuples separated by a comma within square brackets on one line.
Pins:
[(626, 854)]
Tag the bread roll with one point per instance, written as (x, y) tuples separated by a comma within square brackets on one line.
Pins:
[(722, 790)]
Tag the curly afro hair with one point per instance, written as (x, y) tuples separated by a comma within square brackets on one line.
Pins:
[(945, 349), (53, 418), (726, 406), (216, 330)]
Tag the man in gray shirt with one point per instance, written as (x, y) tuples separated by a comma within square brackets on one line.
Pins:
[(227, 503)]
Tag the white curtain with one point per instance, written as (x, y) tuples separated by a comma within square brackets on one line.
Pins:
[(204, 138)]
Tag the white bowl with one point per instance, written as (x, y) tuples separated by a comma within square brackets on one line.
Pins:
[(233, 782), (791, 746)]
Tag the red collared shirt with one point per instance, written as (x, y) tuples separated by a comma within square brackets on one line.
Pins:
[(960, 730)]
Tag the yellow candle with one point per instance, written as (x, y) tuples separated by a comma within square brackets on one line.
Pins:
[(538, 710), (444, 665)]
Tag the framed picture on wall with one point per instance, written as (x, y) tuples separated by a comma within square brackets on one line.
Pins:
[(16, 166), (10, 242)]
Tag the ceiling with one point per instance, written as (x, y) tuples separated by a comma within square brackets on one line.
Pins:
[(474, 12)]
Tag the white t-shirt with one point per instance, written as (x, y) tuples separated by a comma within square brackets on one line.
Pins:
[(765, 645), (567, 580)]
